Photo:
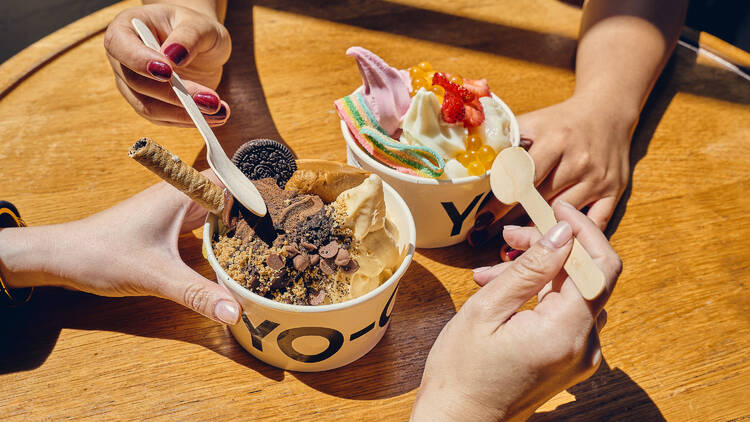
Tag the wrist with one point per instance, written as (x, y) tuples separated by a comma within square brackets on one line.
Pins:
[(452, 406), (23, 252), (609, 104)]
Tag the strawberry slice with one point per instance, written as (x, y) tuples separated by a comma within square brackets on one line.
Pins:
[(474, 116), (479, 87), (440, 79), (453, 108)]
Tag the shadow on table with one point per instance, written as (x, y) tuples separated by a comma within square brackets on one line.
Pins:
[(35, 328), (394, 367), (609, 395)]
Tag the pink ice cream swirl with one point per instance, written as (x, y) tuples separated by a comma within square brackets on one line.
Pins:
[(386, 89)]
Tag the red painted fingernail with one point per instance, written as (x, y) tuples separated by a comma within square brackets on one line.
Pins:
[(207, 101), (176, 53), (509, 254), (160, 69)]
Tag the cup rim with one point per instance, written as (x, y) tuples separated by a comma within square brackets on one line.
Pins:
[(237, 288), (361, 154)]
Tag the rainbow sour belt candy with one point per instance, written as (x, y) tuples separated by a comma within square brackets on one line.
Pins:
[(409, 159)]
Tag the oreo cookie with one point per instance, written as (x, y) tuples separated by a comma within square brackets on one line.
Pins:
[(261, 158)]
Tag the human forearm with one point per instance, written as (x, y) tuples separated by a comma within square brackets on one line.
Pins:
[(623, 46), (214, 8)]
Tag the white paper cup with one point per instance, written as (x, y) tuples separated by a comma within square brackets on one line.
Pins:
[(316, 338), (443, 210)]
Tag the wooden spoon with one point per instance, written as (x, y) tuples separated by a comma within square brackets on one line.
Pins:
[(512, 180), (237, 183)]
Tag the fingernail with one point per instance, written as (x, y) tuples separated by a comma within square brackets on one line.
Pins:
[(176, 53), (509, 254), (559, 234), (207, 101), (219, 115), (160, 69), (511, 227), (227, 312), (480, 269), (477, 238), (483, 220)]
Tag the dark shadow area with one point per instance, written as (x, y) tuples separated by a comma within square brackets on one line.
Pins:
[(465, 256), (22, 23), (31, 332), (609, 395), (395, 365)]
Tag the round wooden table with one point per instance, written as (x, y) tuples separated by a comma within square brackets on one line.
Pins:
[(676, 346)]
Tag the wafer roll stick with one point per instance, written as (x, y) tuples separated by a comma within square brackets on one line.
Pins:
[(180, 175)]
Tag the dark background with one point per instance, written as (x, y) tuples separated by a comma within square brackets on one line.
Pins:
[(22, 22)]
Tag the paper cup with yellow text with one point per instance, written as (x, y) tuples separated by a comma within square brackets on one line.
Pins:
[(317, 338), (443, 210)]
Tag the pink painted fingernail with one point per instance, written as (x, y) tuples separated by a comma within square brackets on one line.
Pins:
[(566, 204), (176, 52), (511, 227), (227, 312), (559, 234), (159, 69), (480, 269)]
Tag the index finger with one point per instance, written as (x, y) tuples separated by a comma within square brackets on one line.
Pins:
[(124, 45), (596, 244)]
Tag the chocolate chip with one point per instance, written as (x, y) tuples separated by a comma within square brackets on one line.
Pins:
[(317, 298), (275, 261), (343, 257), (314, 259), (307, 245), (328, 266), (280, 280), (351, 267), (292, 249), (330, 250), (301, 262)]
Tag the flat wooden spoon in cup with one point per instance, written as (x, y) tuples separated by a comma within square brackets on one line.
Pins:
[(512, 180), (238, 185)]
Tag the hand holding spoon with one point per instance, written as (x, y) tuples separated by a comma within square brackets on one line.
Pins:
[(236, 182), (512, 180)]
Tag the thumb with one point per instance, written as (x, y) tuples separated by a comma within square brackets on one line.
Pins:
[(191, 37), (526, 276), (190, 289)]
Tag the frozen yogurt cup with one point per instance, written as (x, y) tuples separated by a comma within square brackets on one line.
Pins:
[(443, 209), (316, 338)]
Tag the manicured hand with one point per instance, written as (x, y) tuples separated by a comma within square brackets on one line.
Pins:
[(581, 156), (127, 250), (193, 44), (493, 362)]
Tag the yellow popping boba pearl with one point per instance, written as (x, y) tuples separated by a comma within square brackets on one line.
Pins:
[(419, 83), (438, 90), (456, 79), (486, 155), (416, 72), (425, 66), (476, 168), (473, 142), (464, 158)]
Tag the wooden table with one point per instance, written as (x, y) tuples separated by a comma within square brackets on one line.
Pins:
[(677, 345)]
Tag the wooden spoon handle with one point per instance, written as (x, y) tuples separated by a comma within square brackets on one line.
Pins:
[(580, 266)]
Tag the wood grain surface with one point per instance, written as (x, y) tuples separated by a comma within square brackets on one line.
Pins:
[(677, 344)]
